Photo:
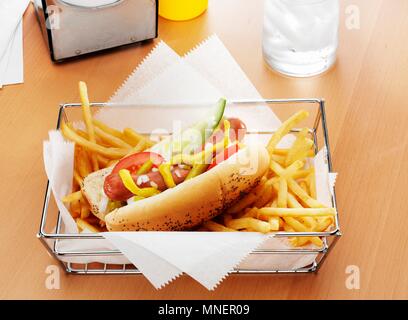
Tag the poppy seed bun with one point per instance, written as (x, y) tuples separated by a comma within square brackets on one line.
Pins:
[(197, 200), (92, 188)]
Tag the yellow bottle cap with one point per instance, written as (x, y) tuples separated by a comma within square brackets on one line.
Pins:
[(180, 10)]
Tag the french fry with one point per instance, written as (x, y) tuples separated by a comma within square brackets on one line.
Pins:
[(297, 212), (246, 201), (111, 139), (85, 211), (289, 171), (265, 196), (83, 225), (285, 128), (287, 227), (274, 203), (274, 223), (133, 138), (303, 173), (279, 159), (107, 129), (300, 152), (293, 168), (111, 153), (293, 203), (103, 162), (284, 152), (78, 178), (299, 241), (139, 147), (252, 223), (303, 185), (280, 152), (75, 208), (297, 226), (75, 196), (312, 184), (277, 168), (84, 135), (87, 115), (293, 240), (323, 223), (297, 146), (282, 193), (214, 226), (317, 241), (298, 191)]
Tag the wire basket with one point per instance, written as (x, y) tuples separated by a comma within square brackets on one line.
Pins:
[(51, 226)]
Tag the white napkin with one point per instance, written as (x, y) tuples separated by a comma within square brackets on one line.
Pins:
[(204, 74), (11, 41)]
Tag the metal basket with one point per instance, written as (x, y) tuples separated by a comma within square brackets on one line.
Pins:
[(51, 219)]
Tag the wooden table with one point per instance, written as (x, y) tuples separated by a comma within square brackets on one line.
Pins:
[(366, 95)]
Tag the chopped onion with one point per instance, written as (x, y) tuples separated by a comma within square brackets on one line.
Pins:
[(142, 179)]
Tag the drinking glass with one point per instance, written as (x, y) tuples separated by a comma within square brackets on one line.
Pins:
[(300, 37)]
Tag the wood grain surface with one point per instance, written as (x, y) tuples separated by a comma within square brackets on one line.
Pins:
[(366, 94)]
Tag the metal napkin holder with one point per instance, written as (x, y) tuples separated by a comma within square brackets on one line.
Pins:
[(74, 28)]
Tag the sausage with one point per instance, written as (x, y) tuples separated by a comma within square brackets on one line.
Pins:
[(115, 190), (237, 132)]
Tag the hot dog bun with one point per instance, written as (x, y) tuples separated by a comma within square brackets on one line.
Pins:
[(92, 188), (197, 200)]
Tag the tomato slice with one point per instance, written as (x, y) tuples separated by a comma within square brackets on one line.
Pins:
[(135, 161), (224, 155)]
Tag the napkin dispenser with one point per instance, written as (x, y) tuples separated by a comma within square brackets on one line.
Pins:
[(76, 27)]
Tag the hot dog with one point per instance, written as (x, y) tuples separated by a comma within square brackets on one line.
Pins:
[(174, 196), (115, 189)]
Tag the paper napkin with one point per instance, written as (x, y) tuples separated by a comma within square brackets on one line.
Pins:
[(11, 41)]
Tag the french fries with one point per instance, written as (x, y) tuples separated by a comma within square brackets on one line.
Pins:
[(285, 199), (111, 153), (100, 146), (83, 165), (78, 179), (297, 212)]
